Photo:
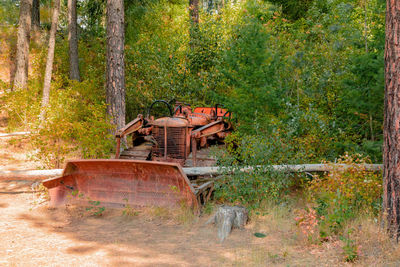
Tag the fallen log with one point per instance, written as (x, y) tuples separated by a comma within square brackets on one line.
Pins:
[(197, 171), (14, 134), (30, 174)]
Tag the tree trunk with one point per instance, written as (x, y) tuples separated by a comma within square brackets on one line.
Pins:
[(50, 58), (194, 22), (194, 11), (227, 218), (73, 41), (391, 130), (115, 69), (35, 15), (24, 34)]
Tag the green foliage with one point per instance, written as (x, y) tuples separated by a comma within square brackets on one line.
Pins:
[(312, 80), (92, 17), (344, 194), (248, 72), (153, 54), (295, 9), (22, 107), (76, 123), (350, 248), (9, 11), (93, 206), (260, 183)]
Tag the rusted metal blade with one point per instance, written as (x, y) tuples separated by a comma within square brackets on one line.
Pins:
[(116, 182)]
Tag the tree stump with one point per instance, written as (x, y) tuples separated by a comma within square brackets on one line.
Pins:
[(228, 217)]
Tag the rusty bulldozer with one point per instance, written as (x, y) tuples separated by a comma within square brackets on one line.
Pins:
[(149, 172)]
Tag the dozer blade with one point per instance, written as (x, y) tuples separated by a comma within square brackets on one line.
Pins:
[(114, 182)]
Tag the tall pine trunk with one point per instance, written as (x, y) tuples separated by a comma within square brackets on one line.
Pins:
[(24, 35), (50, 59), (115, 69), (391, 130), (73, 41), (35, 15)]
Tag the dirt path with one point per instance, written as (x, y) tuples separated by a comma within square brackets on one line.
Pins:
[(36, 235), (32, 234)]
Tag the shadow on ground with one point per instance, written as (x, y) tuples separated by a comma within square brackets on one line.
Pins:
[(138, 240)]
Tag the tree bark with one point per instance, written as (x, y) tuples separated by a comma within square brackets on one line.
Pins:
[(115, 69), (73, 41), (227, 218), (35, 15), (194, 22), (50, 59), (194, 11), (391, 130), (24, 35)]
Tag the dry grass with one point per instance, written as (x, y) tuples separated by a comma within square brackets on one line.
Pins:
[(182, 215), (286, 245), (375, 248)]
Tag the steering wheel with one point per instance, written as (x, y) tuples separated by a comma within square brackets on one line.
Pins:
[(159, 101)]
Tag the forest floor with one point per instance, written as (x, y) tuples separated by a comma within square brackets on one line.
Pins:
[(34, 234)]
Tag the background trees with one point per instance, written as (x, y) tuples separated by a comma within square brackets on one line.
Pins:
[(20, 78), (304, 78), (73, 41), (50, 58)]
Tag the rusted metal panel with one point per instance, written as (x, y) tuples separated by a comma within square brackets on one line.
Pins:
[(211, 111), (118, 182)]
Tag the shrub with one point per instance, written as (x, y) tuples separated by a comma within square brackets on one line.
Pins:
[(345, 193), (259, 183), (75, 121), (22, 107)]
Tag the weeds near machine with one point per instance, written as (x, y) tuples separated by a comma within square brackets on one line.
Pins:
[(93, 206), (129, 210)]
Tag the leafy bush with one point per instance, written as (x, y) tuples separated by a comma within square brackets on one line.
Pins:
[(294, 9), (22, 107), (345, 193), (259, 183), (75, 121)]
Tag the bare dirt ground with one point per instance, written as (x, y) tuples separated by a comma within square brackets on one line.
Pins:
[(32, 234)]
